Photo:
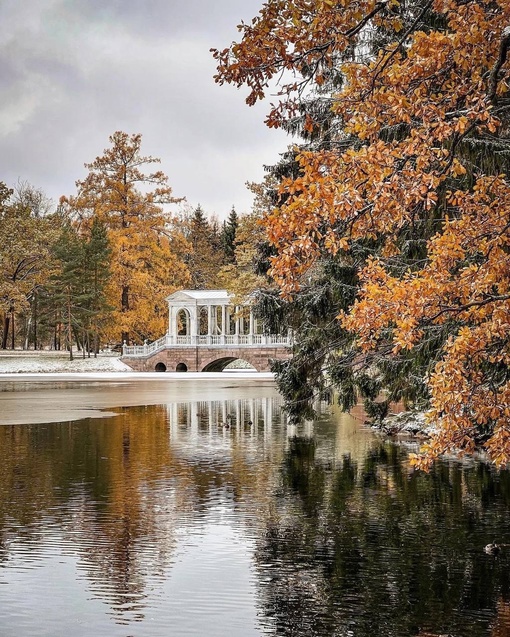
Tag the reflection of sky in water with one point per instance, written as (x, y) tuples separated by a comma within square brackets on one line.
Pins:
[(162, 521), (156, 530), (207, 590), (56, 401), (46, 598), (211, 586)]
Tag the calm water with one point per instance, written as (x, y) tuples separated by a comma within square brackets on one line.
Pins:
[(159, 521)]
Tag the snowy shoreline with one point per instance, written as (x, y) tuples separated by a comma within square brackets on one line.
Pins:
[(17, 362), (48, 366), (408, 424)]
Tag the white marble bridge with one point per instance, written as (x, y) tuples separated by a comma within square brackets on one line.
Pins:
[(206, 333)]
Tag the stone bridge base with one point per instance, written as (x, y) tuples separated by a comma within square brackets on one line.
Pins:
[(205, 359)]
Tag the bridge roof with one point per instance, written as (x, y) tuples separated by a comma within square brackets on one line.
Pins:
[(214, 296)]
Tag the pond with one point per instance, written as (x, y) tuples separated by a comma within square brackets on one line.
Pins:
[(151, 508)]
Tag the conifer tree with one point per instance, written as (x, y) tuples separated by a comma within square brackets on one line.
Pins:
[(69, 284), (97, 264), (205, 257), (228, 236)]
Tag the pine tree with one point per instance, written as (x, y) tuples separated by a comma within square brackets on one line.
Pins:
[(69, 284), (205, 256), (228, 236), (97, 263)]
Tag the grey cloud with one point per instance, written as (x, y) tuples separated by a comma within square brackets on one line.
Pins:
[(74, 71), (161, 18)]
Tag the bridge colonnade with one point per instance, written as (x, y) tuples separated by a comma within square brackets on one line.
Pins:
[(206, 332), (208, 313)]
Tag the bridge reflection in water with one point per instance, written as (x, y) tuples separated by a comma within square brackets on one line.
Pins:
[(250, 417)]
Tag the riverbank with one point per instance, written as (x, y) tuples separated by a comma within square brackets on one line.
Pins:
[(45, 367), (51, 362), (407, 424)]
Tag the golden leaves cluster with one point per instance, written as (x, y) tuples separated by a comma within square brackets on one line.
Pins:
[(409, 111), (146, 251)]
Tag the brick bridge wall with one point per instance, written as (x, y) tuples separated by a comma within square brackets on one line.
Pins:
[(198, 359)]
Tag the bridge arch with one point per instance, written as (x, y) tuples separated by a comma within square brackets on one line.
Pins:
[(183, 322), (219, 364)]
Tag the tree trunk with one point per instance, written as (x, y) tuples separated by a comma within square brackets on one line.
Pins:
[(125, 308), (69, 328), (35, 321), (28, 329), (6, 331), (12, 328)]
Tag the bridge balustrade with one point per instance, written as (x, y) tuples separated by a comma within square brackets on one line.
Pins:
[(207, 318), (221, 340)]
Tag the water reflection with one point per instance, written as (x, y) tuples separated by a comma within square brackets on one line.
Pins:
[(120, 500), (368, 549), (163, 519)]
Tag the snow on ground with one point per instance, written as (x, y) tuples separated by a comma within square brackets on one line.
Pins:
[(50, 366), (25, 362)]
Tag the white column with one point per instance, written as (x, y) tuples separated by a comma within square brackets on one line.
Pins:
[(193, 323), (252, 327), (209, 320), (214, 320), (172, 321)]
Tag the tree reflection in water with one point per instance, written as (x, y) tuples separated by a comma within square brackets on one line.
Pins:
[(368, 549), (115, 493), (343, 538)]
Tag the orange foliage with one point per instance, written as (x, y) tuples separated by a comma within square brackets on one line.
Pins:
[(410, 112), (146, 259)]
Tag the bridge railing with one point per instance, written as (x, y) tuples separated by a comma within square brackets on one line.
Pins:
[(219, 340)]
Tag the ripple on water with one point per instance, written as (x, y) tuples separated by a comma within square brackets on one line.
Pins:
[(146, 525)]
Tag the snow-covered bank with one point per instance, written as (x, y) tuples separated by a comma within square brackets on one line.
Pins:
[(49, 366), (406, 424), (57, 362)]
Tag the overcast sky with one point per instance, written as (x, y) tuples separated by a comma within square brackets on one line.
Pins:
[(72, 72)]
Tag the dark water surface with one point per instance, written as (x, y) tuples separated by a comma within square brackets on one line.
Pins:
[(160, 521)]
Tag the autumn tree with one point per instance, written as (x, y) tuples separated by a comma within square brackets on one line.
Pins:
[(31, 198), (132, 204), (415, 170), (26, 235)]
